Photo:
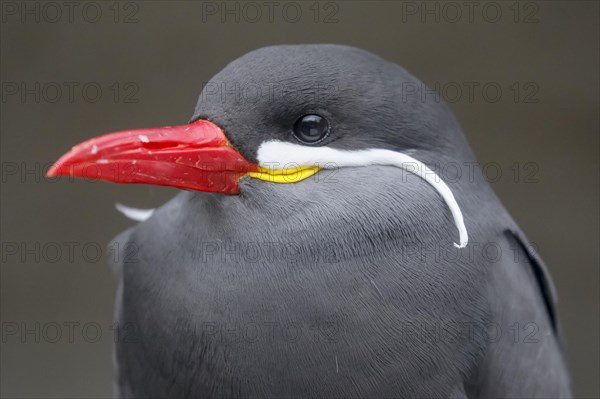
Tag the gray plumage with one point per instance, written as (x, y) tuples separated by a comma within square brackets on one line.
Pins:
[(342, 285)]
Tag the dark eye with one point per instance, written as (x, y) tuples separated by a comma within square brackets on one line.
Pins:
[(311, 128)]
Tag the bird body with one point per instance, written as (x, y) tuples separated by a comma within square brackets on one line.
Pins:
[(345, 283)]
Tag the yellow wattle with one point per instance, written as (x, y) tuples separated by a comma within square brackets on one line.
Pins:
[(284, 176)]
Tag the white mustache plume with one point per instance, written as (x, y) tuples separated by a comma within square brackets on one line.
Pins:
[(280, 153)]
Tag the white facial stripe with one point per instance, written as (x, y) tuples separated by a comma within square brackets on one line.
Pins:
[(139, 215), (280, 155)]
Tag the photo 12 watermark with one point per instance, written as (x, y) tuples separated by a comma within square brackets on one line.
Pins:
[(70, 12), (251, 12), (471, 12), (67, 252), (69, 92), (490, 92), (260, 92)]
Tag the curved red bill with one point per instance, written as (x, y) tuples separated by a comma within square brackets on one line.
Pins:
[(196, 156)]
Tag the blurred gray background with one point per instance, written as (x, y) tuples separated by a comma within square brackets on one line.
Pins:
[(73, 72)]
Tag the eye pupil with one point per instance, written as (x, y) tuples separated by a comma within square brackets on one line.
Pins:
[(311, 128)]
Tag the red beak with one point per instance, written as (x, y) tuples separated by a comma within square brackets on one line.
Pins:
[(197, 156)]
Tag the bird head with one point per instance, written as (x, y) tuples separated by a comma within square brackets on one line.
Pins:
[(282, 114)]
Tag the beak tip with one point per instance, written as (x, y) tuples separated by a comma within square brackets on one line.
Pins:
[(55, 170), (60, 167)]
